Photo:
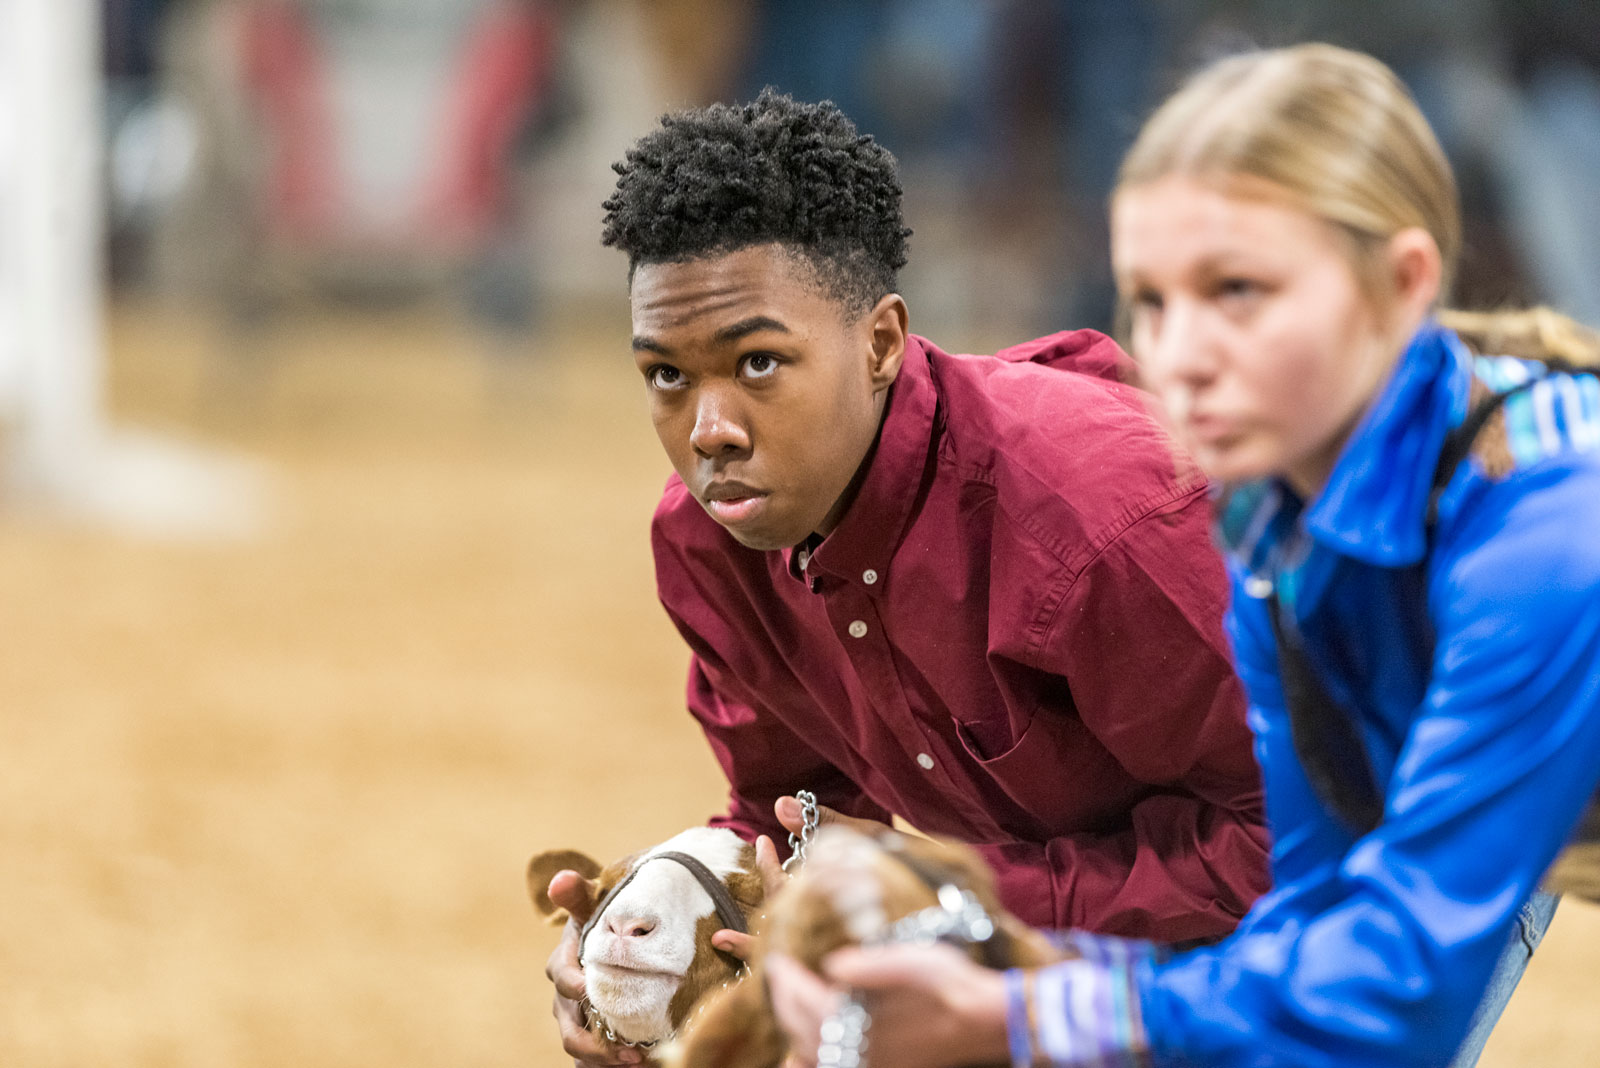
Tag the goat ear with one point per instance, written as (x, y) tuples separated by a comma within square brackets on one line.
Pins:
[(544, 866), (732, 1028)]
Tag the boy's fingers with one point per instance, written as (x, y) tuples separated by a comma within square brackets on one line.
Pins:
[(729, 941), (792, 816), (773, 877), (571, 891)]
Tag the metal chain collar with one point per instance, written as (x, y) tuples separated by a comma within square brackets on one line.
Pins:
[(809, 817), (592, 1020), (843, 1037), (597, 1022), (613, 1038), (958, 917)]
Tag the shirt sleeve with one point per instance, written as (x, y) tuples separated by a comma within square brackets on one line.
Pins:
[(763, 760), (1155, 685), (1383, 962)]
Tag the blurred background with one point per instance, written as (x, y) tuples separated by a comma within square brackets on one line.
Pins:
[(325, 475)]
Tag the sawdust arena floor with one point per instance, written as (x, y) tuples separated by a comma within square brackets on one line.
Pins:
[(266, 801)]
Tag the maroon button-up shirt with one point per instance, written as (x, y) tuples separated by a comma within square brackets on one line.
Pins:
[(1013, 637)]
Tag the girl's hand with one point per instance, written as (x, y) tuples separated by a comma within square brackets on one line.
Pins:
[(930, 1005)]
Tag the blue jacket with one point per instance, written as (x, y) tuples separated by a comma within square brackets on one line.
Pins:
[(1482, 721)]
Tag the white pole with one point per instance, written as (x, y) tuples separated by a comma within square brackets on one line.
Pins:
[(51, 343)]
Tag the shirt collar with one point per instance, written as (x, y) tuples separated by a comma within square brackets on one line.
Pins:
[(1374, 505), (875, 522)]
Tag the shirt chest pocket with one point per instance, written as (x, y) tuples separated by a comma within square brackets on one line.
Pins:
[(987, 739), (1058, 774)]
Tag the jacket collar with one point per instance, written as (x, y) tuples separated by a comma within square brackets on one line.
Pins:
[(1374, 505)]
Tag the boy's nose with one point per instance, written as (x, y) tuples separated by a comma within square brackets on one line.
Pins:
[(717, 429)]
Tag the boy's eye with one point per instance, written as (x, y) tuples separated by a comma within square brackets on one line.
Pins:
[(759, 365), (662, 376)]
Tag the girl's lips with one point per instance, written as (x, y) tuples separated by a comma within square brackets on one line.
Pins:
[(1210, 429), (735, 510)]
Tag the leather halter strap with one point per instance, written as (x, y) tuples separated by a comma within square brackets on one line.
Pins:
[(728, 910)]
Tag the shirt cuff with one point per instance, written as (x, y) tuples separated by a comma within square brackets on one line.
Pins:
[(1083, 1012)]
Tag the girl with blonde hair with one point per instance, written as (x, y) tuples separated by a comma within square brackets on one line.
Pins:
[(1410, 501)]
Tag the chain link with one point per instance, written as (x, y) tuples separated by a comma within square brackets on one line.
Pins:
[(809, 817), (958, 917), (843, 1036)]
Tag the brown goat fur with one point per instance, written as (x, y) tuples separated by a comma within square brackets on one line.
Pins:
[(852, 887)]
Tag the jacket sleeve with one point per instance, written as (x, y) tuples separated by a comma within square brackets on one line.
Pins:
[(1382, 962), (1156, 688)]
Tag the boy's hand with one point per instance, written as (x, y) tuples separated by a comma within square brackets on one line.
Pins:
[(773, 878), (573, 892)]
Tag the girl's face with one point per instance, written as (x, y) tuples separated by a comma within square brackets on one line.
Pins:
[(1250, 323)]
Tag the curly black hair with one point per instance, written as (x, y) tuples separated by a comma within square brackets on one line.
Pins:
[(721, 178)]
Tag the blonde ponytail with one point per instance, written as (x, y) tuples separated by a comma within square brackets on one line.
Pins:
[(1538, 333)]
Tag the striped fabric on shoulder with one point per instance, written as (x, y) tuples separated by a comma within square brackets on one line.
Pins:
[(1559, 413)]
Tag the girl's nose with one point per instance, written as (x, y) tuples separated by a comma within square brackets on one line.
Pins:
[(1183, 351)]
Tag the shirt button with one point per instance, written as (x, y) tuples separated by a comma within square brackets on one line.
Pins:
[(858, 629), (869, 576), (805, 559), (1258, 587), (925, 760)]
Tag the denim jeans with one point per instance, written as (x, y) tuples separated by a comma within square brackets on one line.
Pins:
[(1531, 924)]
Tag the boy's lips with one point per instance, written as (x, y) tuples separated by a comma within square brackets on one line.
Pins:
[(736, 510), (731, 502), (729, 489)]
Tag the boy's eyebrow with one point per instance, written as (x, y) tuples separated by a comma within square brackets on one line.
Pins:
[(744, 327), (727, 335), (645, 344)]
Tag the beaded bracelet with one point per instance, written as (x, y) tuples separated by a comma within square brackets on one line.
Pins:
[(1019, 1025)]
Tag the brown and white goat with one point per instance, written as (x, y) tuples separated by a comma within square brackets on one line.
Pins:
[(854, 887), (646, 951)]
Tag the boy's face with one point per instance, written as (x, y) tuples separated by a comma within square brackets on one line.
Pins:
[(766, 392)]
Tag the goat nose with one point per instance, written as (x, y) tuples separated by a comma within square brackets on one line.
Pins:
[(625, 926)]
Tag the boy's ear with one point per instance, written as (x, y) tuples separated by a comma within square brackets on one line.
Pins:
[(544, 866), (887, 324)]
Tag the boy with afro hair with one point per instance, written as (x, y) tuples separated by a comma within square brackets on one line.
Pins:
[(975, 592)]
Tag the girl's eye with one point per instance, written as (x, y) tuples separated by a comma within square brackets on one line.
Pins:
[(1145, 301), (759, 365), (663, 376), (1239, 291), (1143, 308)]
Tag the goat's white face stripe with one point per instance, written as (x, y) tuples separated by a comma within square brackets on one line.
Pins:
[(637, 953)]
